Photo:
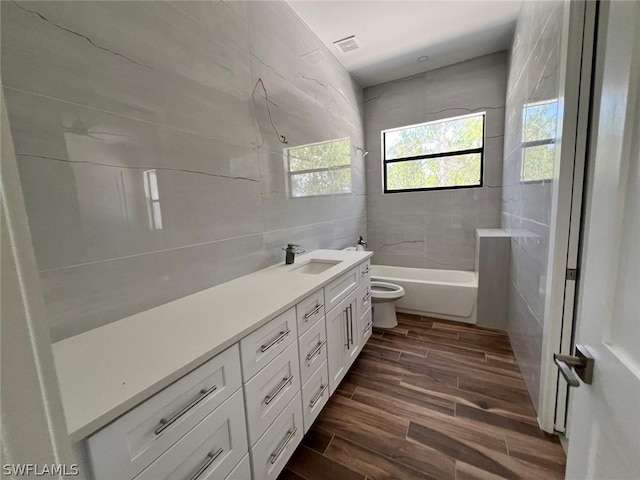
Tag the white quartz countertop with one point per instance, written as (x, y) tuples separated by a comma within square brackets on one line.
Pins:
[(105, 372)]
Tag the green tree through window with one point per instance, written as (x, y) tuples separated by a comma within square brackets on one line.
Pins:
[(538, 140), (443, 154), (319, 168)]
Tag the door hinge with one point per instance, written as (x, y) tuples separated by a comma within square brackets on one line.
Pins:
[(572, 274)]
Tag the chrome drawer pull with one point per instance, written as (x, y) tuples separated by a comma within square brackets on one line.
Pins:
[(281, 336), (211, 457), (366, 298), (166, 423), (318, 396), (350, 307), (366, 270), (269, 398), (346, 324), (316, 350), (274, 456), (313, 312)]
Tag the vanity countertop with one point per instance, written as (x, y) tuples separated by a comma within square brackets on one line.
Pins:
[(106, 371)]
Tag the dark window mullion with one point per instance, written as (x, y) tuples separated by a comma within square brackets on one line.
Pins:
[(436, 155), (478, 150), (313, 170), (538, 143)]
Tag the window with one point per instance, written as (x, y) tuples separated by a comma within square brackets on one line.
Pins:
[(435, 155), (153, 199), (538, 140), (319, 168)]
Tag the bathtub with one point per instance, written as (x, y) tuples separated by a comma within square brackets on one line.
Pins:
[(447, 294)]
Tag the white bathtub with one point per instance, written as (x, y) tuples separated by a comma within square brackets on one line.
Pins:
[(447, 294)]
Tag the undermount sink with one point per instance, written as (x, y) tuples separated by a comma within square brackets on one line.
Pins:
[(314, 266)]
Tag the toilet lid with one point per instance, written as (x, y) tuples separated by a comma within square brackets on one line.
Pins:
[(386, 290)]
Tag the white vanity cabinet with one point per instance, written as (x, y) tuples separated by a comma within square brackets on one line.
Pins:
[(315, 395), (271, 453), (267, 342), (241, 472), (241, 414), (271, 375), (348, 323), (312, 347), (270, 390), (342, 339), (365, 271), (337, 290), (309, 310), (178, 420), (365, 318), (211, 450)]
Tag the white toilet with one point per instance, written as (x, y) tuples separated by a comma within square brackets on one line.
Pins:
[(383, 296)]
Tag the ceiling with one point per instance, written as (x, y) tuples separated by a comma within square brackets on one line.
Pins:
[(393, 34)]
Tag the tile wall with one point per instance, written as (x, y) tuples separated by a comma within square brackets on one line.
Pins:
[(534, 79), (130, 116), (435, 229)]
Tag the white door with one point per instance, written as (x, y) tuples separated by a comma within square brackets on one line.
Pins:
[(604, 417)]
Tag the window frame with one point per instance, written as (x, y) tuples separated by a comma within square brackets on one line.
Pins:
[(289, 173), (535, 143), (479, 150)]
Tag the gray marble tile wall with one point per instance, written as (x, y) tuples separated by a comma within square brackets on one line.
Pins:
[(130, 116), (435, 229), (534, 79)]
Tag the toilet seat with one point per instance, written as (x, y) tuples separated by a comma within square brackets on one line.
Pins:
[(386, 290)]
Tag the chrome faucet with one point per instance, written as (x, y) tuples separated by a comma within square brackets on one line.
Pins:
[(291, 251), (362, 242)]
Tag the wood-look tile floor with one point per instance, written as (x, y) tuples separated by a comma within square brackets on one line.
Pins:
[(429, 399)]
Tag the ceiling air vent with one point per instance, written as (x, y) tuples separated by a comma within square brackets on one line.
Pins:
[(347, 44)]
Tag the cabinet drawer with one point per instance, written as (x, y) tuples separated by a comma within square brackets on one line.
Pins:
[(270, 454), (365, 270), (210, 451), (270, 390), (366, 325), (266, 343), (340, 288), (133, 441), (364, 298), (242, 471), (315, 395), (312, 347), (309, 310)]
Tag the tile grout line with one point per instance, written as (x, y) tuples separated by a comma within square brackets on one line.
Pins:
[(393, 460)]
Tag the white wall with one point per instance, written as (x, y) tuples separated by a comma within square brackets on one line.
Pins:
[(98, 92), (534, 75), (435, 229)]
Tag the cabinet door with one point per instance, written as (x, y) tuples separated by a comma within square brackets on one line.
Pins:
[(354, 333), (336, 346)]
